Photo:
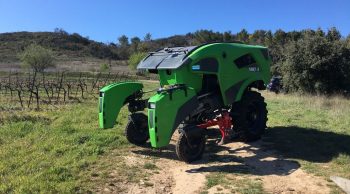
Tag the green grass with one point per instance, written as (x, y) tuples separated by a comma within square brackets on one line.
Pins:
[(313, 130), (150, 166), (48, 151), (236, 183), (63, 150), (214, 179), (53, 150)]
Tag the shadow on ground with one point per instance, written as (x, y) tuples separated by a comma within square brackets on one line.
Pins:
[(306, 143), (271, 156), (234, 157)]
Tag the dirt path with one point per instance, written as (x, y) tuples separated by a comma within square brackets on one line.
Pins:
[(278, 175)]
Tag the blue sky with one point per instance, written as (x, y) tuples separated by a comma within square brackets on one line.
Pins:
[(105, 20)]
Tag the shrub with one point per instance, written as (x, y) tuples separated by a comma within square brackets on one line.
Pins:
[(104, 67), (135, 59), (317, 65)]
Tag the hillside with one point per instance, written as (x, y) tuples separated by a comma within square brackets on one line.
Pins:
[(309, 61), (65, 45)]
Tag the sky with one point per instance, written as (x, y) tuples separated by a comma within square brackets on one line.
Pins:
[(106, 20)]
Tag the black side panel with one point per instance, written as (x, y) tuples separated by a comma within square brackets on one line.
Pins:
[(232, 92), (208, 64), (185, 110), (244, 60), (210, 84)]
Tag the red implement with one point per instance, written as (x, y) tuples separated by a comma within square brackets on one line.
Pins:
[(224, 122)]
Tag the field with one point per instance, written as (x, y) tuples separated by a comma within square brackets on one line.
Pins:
[(62, 150)]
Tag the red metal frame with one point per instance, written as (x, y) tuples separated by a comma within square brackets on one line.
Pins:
[(224, 122)]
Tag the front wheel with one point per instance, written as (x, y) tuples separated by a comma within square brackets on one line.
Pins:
[(190, 149), (136, 131)]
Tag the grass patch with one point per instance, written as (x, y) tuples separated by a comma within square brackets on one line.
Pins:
[(313, 130), (236, 183), (150, 166), (62, 150), (59, 150), (214, 179)]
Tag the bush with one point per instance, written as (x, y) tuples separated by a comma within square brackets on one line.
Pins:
[(104, 67), (318, 65), (135, 59)]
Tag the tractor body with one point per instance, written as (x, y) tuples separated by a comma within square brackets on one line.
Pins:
[(199, 87)]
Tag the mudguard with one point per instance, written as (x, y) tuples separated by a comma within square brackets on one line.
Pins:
[(166, 110), (112, 98)]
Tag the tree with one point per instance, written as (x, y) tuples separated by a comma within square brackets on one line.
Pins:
[(207, 36), (148, 37), (268, 38), (243, 36), (60, 31), (135, 59), (123, 47), (333, 34), (294, 35), (279, 37), (135, 42), (37, 57), (258, 37), (320, 32), (348, 42), (227, 36), (123, 41), (315, 64)]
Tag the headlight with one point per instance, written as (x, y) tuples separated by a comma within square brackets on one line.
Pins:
[(152, 105)]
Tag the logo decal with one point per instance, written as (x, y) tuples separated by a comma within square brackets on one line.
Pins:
[(196, 67)]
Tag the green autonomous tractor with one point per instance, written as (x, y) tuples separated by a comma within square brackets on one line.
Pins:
[(200, 87)]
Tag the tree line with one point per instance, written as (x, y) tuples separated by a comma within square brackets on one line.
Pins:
[(309, 61)]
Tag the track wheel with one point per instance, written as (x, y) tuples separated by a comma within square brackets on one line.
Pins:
[(190, 149), (136, 130), (249, 116)]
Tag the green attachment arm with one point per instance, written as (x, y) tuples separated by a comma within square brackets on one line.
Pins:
[(166, 111), (112, 98)]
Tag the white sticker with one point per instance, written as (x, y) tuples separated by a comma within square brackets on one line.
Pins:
[(254, 69)]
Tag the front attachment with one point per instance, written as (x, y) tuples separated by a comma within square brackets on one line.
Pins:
[(113, 97), (166, 110)]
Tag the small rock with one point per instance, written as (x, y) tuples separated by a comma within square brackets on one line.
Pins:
[(106, 190), (290, 189), (142, 182)]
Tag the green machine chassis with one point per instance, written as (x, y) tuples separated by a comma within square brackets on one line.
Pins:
[(197, 84)]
